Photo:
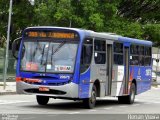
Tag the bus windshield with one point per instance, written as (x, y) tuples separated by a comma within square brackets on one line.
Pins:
[(48, 56)]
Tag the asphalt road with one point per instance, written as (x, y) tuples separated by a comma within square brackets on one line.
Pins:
[(145, 103)]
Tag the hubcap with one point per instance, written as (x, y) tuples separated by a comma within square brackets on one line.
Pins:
[(132, 95), (93, 97)]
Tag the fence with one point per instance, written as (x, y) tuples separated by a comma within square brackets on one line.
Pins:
[(11, 66)]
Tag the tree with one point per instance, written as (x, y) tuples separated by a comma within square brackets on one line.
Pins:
[(152, 32), (130, 18), (143, 11), (22, 16)]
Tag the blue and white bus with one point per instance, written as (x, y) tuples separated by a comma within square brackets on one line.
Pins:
[(77, 64)]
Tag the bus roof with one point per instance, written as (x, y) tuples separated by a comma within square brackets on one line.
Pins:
[(51, 27), (114, 37), (104, 35), (135, 41)]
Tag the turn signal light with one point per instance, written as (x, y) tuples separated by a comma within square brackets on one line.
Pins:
[(30, 80), (18, 79)]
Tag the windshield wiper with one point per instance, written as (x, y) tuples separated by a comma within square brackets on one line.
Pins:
[(34, 53), (58, 48), (42, 54), (51, 55)]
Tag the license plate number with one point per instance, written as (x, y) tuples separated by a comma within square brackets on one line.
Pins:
[(43, 89)]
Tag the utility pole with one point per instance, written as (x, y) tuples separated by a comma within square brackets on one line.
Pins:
[(7, 46), (8, 39)]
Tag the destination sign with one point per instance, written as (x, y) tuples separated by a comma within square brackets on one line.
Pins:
[(52, 34)]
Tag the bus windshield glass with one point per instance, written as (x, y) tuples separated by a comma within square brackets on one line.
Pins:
[(48, 56)]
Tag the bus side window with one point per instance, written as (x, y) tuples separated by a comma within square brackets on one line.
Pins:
[(141, 55), (86, 54), (148, 57), (100, 52), (134, 59), (118, 53)]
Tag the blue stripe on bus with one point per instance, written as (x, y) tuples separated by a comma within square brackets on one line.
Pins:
[(84, 87), (143, 79)]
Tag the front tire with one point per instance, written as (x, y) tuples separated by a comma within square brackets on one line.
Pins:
[(91, 102), (42, 100), (129, 99)]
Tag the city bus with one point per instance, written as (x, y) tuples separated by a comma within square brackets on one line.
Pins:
[(78, 64)]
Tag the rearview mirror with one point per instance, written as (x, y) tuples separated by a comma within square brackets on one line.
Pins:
[(15, 47)]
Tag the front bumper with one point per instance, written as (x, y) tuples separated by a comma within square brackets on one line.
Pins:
[(69, 90)]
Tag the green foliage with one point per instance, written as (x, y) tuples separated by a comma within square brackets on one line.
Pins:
[(125, 28), (143, 11), (152, 32), (131, 18)]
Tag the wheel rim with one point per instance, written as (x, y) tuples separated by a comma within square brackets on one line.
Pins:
[(132, 94), (93, 97)]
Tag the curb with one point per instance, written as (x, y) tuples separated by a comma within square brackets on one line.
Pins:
[(8, 93)]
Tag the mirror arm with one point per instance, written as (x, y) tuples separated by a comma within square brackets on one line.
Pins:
[(14, 47)]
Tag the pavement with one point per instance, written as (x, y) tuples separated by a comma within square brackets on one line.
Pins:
[(10, 88)]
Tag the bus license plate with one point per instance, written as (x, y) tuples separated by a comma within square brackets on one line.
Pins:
[(43, 89)]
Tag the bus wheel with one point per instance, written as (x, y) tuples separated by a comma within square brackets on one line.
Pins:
[(129, 99), (131, 96), (42, 100), (90, 102)]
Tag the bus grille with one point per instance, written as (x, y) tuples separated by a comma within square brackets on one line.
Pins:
[(50, 84), (35, 90)]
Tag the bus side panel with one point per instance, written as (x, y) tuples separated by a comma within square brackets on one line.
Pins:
[(135, 75), (145, 73), (142, 75), (118, 80), (84, 84), (98, 73)]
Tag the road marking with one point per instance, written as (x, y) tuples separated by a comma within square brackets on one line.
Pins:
[(108, 108), (135, 104), (155, 88), (92, 110), (28, 118), (11, 101), (74, 113), (147, 103), (156, 102), (123, 106), (52, 115)]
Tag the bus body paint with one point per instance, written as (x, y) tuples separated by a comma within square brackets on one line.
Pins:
[(79, 85)]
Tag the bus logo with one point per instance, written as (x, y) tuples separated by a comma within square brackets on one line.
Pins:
[(62, 68)]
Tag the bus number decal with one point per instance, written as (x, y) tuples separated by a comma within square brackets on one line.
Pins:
[(148, 72)]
